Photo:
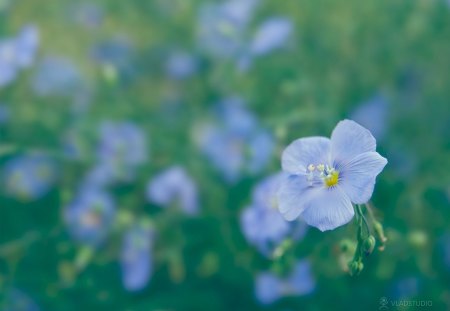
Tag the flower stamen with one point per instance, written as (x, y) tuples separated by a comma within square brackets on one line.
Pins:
[(326, 173)]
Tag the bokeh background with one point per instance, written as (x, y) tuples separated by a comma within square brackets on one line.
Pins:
[(136, 137)]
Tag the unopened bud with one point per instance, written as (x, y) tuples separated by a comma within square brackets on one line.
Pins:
[(355, 267), (368, 245)]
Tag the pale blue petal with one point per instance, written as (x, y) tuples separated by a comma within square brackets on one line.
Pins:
[(271, 35), (301, 281), (136, 257), (267, 288), (357, 176), (304, 151), (266, 191), (26, 46), (174, 185), (293, 195), (7, 73), (350, 139), (328, 209)]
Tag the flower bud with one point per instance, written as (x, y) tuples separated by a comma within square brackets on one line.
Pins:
[(368, 245), (355, 267)]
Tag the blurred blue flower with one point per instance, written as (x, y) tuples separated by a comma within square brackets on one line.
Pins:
[(57, 76), (373, 115), (234, 142), (29, 177), (136, 257), (261, 222), (105, 174), (17, 300), (272, 34), (269, 287), (222, 27), (326, 176), (174, 185), (122, 148), (181, 65), (17, 53), (115, 55), (90, 215)]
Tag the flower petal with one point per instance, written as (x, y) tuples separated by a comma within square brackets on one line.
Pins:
[(267, 288), (304, 151), (350, 139), (357, 176), (328, 209), (293, 194)]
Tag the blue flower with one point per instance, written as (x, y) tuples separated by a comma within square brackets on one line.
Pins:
[(174, 185), (104, 174), (17, 53), (234, 142), (57, 76), (327, 175), (222, 27), (90, 215), (136, 257), (262, 224), (373, 115), (115, 55), (271, 35), (121, 150), (181, 65), (29, 177), (269, 287)]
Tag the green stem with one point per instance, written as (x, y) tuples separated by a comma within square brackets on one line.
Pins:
[(363, 218)]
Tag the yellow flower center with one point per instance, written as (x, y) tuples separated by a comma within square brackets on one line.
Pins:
[(326, 173), (332, 179)]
